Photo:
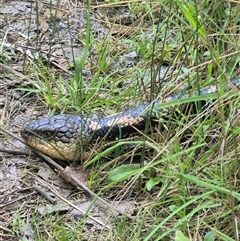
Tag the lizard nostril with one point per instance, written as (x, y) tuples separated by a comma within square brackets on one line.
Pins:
[(24, 133)]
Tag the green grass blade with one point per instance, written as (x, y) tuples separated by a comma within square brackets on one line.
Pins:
[(196, 180)]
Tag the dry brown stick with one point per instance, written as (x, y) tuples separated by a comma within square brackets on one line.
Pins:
[(44, 194), (44, 55), (79, 185), (16, 200), (79, 209), (13, 191), (14, 152), (4, 108), (9, 69)]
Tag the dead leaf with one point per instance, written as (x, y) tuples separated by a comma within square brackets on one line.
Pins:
[(43, 24), (54, 14), (72, 173)]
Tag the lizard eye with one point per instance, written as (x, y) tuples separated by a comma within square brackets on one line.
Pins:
[(25, 133), (48, 134)]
